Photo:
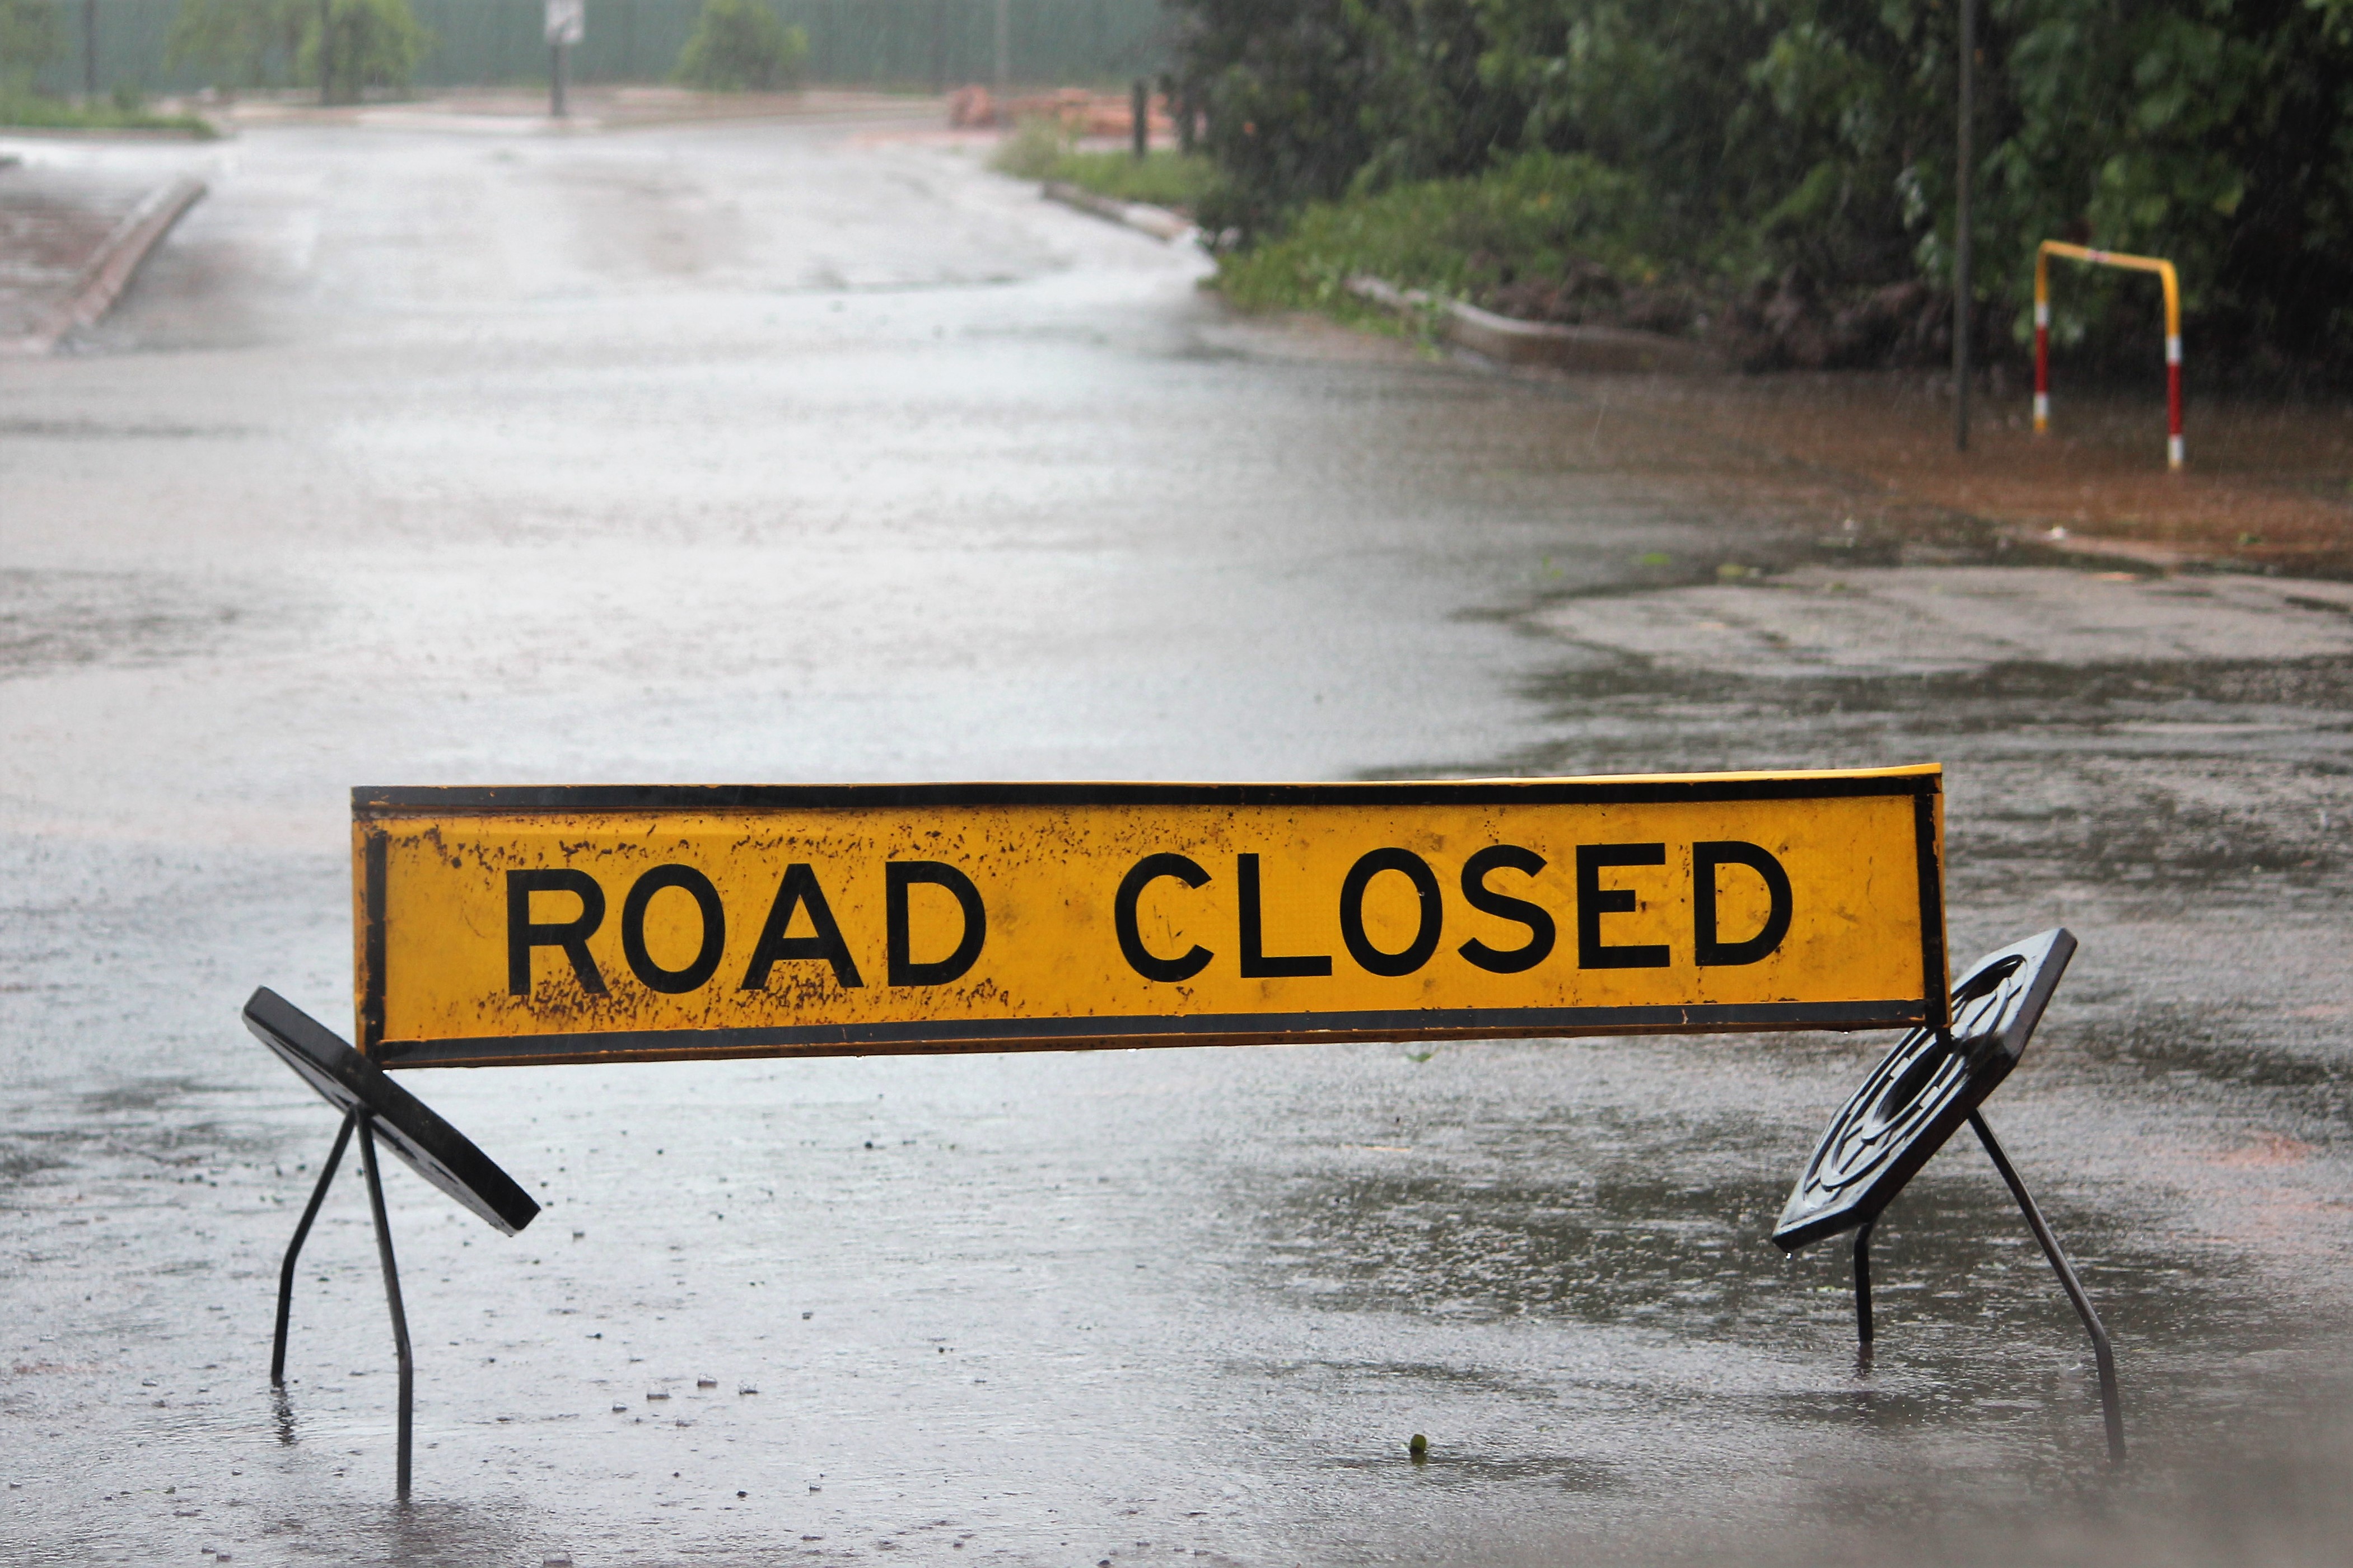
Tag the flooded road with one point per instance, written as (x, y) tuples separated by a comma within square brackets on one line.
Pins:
[(808, 451)]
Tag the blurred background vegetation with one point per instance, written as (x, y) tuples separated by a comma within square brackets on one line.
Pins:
[(1787, 166), (1044, 148), (1775, 173), (923, 46), (742, 46)]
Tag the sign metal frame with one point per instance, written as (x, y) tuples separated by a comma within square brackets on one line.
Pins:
[(1963, 1039), (1920, 1094), (372, 1106)]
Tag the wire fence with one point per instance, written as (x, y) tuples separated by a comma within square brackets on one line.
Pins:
[(919, 44)]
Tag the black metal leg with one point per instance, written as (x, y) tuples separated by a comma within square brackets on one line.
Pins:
[(2111, 1404), (391, 1293), (1863, 1284), (295, 1253)]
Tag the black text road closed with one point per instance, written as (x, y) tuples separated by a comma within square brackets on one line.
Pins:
[(551, 924)]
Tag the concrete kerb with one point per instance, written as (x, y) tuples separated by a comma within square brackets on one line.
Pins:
[(1158, 222), (1605, 350), (114, 263)]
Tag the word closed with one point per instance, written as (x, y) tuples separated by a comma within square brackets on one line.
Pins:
[(531, 924)]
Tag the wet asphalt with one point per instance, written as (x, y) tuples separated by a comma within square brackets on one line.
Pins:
[(811, 451)]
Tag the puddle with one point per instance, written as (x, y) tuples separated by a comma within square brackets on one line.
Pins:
[(2136, 734), (1569, 1472), (50, 619)]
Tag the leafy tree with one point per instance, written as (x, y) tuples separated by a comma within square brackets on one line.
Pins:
[(1307, 98), (742, 46), (1814, 138), (249, 42), (29, 39), (367, 43)]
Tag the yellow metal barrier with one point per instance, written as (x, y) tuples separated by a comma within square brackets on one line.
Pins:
[(2164, 270)]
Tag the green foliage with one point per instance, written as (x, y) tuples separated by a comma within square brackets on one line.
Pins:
[(1536, 215), (742, 46), (369, 43), (18, 107), (1162, 177), (1305, 99), (29, 39), (1814, 138), (1036, 149), (250, 43), (1040, 149)]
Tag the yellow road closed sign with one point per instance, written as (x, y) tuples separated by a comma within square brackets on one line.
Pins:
[(506, 925)]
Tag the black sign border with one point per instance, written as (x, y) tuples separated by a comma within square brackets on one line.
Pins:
[(379, 805)]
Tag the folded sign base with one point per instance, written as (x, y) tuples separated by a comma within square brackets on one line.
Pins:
[(1918, 1097)]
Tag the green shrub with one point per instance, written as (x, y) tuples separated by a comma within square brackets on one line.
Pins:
[(1041, 148), (1039, 143), (29, 39), (741, 46), (246, 42), (1535, 216), (369, 43), (18, 107), (1813, 140), (1163, 178)]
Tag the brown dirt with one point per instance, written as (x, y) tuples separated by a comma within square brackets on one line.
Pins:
[(2267, 484)]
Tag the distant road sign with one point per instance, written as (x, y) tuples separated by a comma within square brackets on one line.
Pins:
[(503, 925), (567, 21)]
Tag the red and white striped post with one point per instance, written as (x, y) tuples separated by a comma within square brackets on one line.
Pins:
[(2174, 453), (2042, 355)]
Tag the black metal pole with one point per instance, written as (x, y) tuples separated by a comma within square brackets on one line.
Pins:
[(326, 52), (557, 62), (89, 50), (391, 1295), (1964, 169), (1139, 98), (294, 1252), (2111, 1402), (1863, 1284)]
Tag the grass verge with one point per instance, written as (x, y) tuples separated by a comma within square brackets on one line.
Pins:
[(1569, 226), (37, 111), (1565, 240), (1039, 149)]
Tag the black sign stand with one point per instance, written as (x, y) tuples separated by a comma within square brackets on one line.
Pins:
[(2111, 1402), (1916, 1100), (294, 1250), (1909, 1106), (373, 1104), (368, 1164), (1862, 1287)]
